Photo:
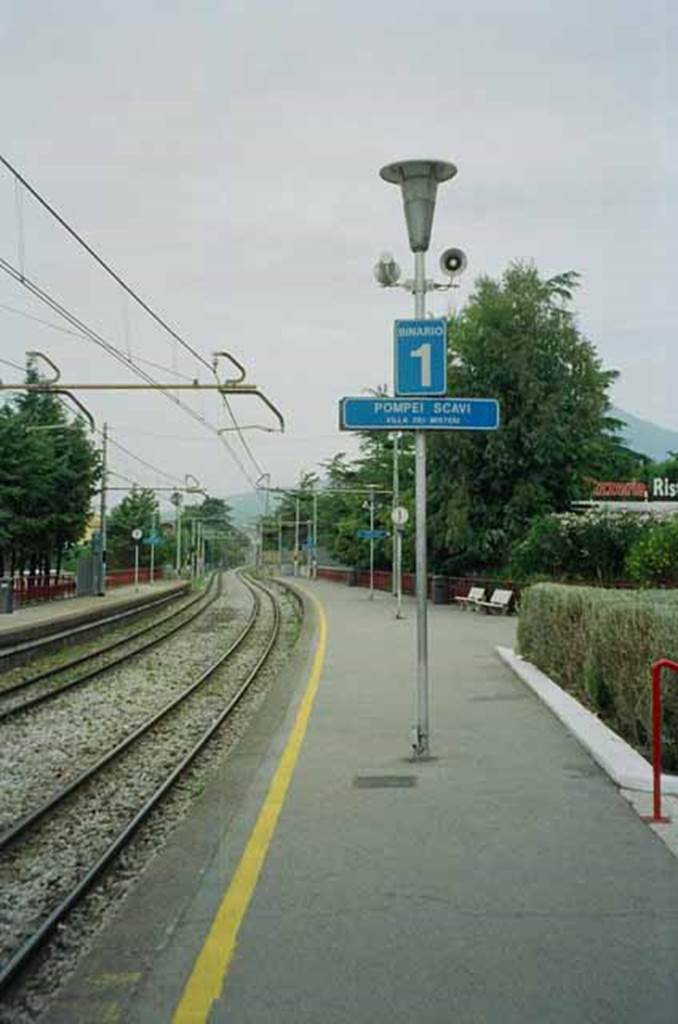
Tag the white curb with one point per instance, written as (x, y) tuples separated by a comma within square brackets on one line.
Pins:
[(622, 763)]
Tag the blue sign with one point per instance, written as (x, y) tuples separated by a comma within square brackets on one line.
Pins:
[(372, 534), (418, 414), (420, 357), (153, 539)]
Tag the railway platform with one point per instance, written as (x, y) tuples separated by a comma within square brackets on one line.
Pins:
[(41, 620), (327, 877)]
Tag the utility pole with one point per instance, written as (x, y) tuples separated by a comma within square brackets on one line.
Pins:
[(280, 546), (314, 549), (296, 537), (371, 543), (102, 511), (150, 574), (178, 531)]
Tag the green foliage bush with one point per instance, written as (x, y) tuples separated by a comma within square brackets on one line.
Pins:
[(594, 546), (599, 645), (653, 558)]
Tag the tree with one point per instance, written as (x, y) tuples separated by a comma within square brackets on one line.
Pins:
[(137, 510), (49, 469), (517, 340)]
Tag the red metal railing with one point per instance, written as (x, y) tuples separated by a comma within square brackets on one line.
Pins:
[(36, 589), (456, 586), (657, 737), (125, 577)]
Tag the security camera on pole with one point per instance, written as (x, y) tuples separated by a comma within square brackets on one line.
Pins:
[(420, 401)]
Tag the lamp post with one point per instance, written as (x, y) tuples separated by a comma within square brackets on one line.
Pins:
[(419, 180)]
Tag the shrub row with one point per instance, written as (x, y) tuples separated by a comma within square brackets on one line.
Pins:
[(601, 545), (599, 645)]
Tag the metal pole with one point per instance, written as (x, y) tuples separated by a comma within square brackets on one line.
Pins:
[(178, 529), (102, 510), (136, 565), (372, 543), (422, 739), (394, 504), (152, 548), (315, 536), (399, 571), (296, 539), (280, 547), (193, 547)]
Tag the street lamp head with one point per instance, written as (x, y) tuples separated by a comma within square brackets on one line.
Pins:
[(419, 180)]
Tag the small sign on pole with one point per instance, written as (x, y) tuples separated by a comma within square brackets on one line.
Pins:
[(137, 534)]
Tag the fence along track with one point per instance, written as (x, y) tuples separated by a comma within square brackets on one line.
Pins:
[(41, 698), (36, 940)]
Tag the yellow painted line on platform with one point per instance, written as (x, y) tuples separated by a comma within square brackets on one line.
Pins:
[(209, 971)]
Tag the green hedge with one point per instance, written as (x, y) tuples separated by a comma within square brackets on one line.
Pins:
[(599, 645)]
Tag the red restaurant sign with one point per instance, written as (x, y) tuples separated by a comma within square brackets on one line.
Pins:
[(620, 489)]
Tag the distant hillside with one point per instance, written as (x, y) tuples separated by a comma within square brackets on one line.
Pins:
[(645, 437), (246, 507)]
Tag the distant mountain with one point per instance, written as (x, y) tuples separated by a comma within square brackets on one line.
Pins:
[(646, 437), (246, 507)]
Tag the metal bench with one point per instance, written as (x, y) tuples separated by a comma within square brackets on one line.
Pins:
[(501, 601), (473, 599)]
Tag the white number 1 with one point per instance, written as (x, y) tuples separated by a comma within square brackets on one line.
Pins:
[(424, 353)]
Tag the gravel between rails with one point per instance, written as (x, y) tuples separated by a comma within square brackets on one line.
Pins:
[(36, 877), (48, 746), (63, 670)]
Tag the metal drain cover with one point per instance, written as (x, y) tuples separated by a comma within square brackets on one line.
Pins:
[(384, 781)]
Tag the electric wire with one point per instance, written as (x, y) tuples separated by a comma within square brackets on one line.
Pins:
[(18, 177), (111, 349), (102, 263), (79, 334)]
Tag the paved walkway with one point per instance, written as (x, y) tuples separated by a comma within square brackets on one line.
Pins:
[(507, 883), (67, 609)]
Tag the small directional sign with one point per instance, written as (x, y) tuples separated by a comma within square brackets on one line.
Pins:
[(137, 534), (418, 414), (420, 357), (153, 539), (372, 534)]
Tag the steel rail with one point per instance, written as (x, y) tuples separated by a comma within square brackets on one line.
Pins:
[(35, 941), (25, 823), (82, 658), (93, 673), (31, 646)]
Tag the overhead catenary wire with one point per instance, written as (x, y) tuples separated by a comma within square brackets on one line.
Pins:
[(79, 334), (112, 350), (19, 178), (102, 263)]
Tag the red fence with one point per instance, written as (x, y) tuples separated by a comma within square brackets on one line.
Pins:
[(125, 577), (36, 589), (457, 586)]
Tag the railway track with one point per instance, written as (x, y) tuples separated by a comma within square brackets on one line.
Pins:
[(175, 736), (26, 650), (10, 706)]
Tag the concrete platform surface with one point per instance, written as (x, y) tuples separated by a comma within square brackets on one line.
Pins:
[(506, 880), (51, 616)]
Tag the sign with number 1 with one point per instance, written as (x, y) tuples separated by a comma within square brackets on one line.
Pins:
[(420, 357)]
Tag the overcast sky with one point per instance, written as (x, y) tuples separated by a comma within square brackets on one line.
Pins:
[(224, 158)]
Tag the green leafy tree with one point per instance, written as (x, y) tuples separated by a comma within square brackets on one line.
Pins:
[(517, 340), (49, 470), (137, 510)]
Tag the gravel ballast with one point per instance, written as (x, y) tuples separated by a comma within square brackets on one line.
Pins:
[(41, 867)]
